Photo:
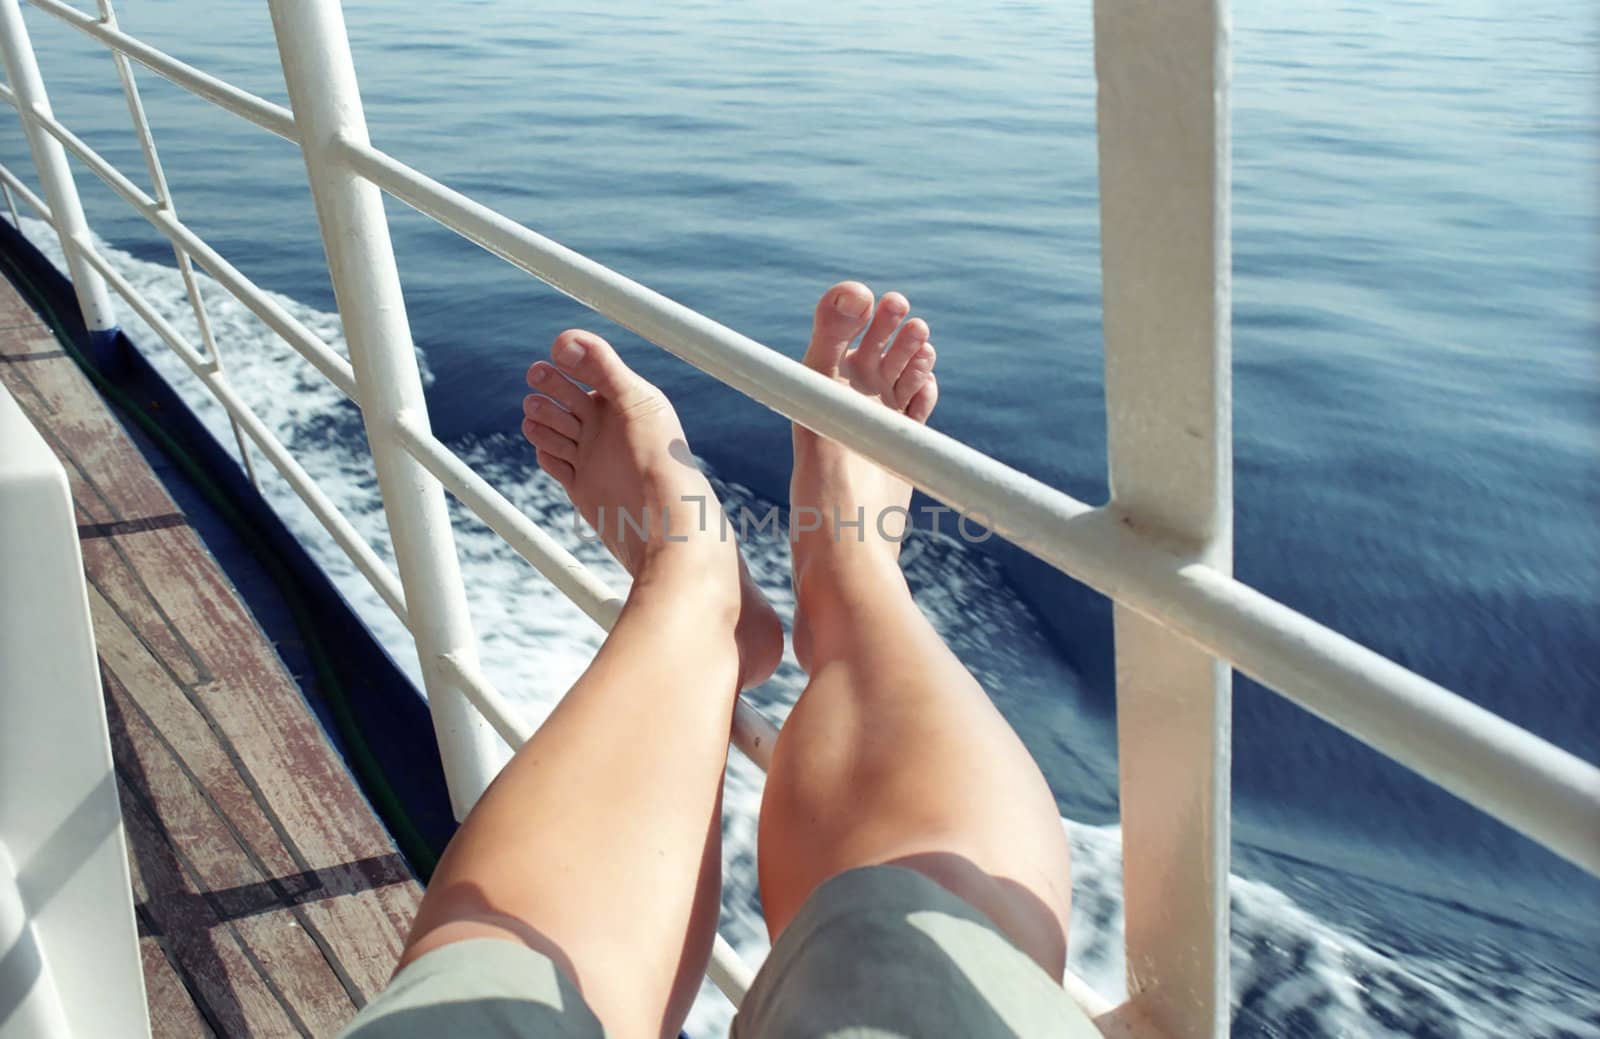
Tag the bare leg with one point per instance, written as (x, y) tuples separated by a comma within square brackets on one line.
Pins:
[(894, 754), (600, 843)]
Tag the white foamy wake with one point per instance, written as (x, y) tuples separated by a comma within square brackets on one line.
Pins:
[(1294, 974)]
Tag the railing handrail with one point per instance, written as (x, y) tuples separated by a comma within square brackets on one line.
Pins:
[(1523, 780), (271, 117), (1340, 680)]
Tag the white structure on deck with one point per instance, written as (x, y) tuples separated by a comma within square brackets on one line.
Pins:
[(1161, 548), (69, 953)]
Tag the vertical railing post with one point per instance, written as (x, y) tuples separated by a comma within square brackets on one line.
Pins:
[(55, 177), (11, 204), (321, 77), (1164, 224), (163, 197)]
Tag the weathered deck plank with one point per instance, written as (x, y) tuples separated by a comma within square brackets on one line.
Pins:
[(16, 314), (120, 484), (216, 855), (215, 970), (119, 568), (271, 901), (165, 989)]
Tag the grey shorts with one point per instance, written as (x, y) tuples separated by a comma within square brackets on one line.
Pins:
[(873, 954)]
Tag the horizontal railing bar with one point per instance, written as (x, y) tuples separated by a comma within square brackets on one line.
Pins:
[(576, 581), (753, 733), (1030, 512), (361, 554), (495, 708), (39, 205), (272, 117), (1533, 786), (11, 206), (1528, 783), (727, 969), (300, 338)]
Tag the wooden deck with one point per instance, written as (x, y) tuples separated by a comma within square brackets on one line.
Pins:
[(270, 900)]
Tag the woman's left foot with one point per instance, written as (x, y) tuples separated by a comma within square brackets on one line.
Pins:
[(893, 361)]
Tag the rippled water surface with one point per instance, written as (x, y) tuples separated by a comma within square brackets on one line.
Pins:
[(1417, 383)]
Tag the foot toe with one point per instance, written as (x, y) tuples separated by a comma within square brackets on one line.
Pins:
[(548, 441), (920, 404), (862, 363), (546, 412), (561, 470), (544, 377), (908, 344), (589, 359), (840, 316)]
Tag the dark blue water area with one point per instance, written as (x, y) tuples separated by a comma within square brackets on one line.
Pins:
[(1416, 326)]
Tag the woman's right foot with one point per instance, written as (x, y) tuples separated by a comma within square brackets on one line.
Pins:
[(833, 487), (619, 452)]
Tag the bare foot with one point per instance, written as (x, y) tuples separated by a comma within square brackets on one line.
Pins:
[(619, 452), (834, 488)]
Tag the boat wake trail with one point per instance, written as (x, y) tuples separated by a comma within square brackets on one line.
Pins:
[(1295, 973)]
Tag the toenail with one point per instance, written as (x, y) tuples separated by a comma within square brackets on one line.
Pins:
[(541, 374), (569, 353), (850, 305)]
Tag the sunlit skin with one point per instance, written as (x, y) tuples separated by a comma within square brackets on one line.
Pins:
[(600, 843), (894, 753)]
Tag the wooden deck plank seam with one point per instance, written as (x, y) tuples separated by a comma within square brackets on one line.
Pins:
[(148, 928), (20, 374), (43, 355), (190, 914), (132, 526), (253, 857), (202, 670), (31, 320), (203, 673), (250, 853), (23, 316), (132, 790), (66, 455)]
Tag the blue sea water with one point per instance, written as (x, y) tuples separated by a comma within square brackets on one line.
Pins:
[(1417, 379)]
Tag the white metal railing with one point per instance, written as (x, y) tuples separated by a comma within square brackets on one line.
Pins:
[(163, 201), (1161, 549)]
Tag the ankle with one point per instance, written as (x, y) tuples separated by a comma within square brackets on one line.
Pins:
[(689, 583)]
